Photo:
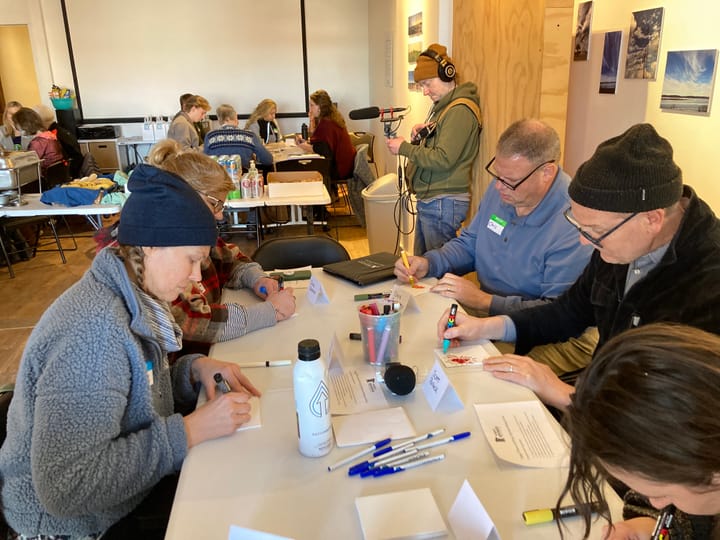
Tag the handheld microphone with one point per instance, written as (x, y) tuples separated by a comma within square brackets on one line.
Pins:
[(369, 113), (399, 379)]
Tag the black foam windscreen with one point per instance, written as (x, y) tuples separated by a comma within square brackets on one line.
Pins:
[(399, 379)]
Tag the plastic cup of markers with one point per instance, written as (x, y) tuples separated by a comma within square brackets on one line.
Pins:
[(380, 330)]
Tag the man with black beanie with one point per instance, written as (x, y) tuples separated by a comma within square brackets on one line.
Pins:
[(656, 259)]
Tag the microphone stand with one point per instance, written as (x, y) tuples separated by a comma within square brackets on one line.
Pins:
[(390, 128)]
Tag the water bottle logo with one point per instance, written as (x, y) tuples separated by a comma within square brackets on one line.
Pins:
[(320, 402)]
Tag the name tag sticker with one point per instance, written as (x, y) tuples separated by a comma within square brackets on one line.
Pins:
[(496, 224)]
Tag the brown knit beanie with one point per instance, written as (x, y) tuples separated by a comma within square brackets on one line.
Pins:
[(426, 67), (633, 172)]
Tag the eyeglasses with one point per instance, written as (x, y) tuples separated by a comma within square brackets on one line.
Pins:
[(517, 184), (595, 241), (217, 204)]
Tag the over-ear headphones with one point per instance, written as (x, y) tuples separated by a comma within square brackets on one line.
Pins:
[(446, 69)]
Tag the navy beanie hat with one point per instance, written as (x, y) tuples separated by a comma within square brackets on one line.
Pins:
[(163, 210), (633, 172)]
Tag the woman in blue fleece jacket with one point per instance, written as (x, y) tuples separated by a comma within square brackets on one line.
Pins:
[(92, 428)]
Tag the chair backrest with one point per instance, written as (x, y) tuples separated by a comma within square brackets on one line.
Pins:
[(56, 174), (297, 251), (363, 137)]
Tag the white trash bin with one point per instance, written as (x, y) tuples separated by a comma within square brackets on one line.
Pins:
[(381, 199)]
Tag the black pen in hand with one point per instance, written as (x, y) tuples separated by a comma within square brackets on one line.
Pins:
[(221, 384)]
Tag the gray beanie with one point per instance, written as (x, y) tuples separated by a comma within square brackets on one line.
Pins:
[(633, 172), (163, 210)]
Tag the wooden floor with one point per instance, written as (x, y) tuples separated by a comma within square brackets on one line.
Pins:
[(42, 279)]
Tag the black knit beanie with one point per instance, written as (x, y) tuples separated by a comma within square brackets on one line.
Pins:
[(633, 172), (163, 210)]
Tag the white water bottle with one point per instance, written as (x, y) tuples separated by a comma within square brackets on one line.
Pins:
[(312, 401)]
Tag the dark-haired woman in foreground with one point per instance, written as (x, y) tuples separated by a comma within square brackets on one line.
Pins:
[(646, 413)]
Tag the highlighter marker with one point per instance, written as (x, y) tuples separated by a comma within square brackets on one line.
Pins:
[(406, 264), (450, 324), (545, 515), (664, 522)]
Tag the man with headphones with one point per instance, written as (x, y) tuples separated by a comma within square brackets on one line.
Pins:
[(442, 151)]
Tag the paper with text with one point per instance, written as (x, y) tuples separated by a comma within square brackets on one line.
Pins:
[(521, 433), (355, 390)]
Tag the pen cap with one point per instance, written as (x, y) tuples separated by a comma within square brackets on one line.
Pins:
[(308, 349)]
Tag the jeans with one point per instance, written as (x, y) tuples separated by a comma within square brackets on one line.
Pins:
[(437, 222)]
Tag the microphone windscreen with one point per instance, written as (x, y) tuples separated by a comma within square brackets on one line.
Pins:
[(367, 113), (399, 379)]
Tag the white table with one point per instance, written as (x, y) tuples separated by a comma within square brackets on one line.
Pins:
[(258, 479), (297, 201), (35, 207)]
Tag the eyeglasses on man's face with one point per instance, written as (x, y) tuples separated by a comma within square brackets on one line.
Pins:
[(515, 184), (587, 236), (215, 204)]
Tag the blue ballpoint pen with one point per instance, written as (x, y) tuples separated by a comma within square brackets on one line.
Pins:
[(446, 440), (450, 324), (361, 453), (411, 465), (408, 443)]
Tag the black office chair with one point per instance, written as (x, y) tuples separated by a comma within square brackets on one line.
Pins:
[(298, 251)]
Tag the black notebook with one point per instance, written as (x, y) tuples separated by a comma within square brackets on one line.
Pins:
[(365, 270)]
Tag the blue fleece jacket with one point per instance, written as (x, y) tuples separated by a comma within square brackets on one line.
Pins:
[(88, 435)]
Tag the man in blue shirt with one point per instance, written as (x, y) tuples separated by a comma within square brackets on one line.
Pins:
[(523, 249), (230, 140), (519, 243)]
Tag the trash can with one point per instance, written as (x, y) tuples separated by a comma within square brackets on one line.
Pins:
[(381, 199)]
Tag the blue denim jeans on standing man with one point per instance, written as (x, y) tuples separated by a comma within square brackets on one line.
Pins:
[(438, 221)]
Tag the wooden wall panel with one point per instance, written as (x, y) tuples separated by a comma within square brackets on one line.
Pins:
[(501, 46)]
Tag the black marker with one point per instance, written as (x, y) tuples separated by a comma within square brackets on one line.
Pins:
[(221, 383), (357, 336)]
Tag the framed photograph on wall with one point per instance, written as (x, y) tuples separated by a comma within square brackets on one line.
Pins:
[(689, 81), (415, 25), (644, 44), (610, 62), (582, 33)]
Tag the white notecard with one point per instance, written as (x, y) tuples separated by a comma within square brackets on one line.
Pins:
[(468, 518), (402, 514), (372, 426), (439, 390)]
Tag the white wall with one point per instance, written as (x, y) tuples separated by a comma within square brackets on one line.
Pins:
[(337, 37), (594, 117)]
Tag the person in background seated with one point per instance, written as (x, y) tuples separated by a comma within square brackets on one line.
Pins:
[(645, 413), (68, 141), (198, 309), (442, 151), (182, 128), (656, 259), (10, 136), (329, 136), (230, 139), (183, 99), (44, 142), (262, 122), (93, 443)]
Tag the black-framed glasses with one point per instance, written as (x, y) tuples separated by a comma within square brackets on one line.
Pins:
[(517, 184), (216, 203), (587, 236)]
